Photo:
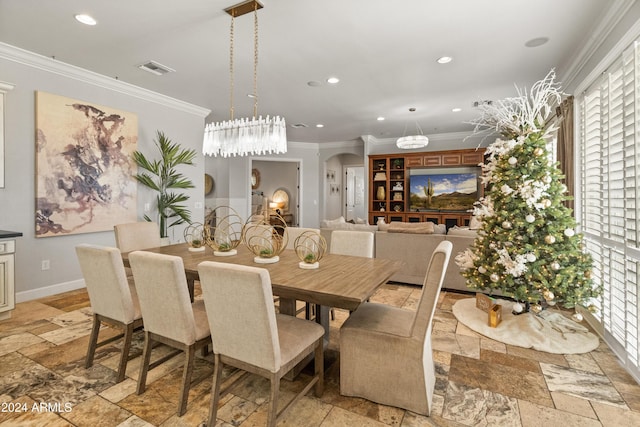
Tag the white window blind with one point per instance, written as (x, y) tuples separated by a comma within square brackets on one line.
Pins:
[(610, 176)]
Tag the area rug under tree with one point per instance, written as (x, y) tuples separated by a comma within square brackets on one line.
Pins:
[(549, 331)]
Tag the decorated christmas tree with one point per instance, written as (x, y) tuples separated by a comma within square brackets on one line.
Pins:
[(527, 247)]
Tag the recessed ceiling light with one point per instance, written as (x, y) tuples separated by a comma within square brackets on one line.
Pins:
[(85, 19), (319, 125), (380, 119), (333, 80), (539, 41), (314, 83), (456, 110), (444, 59)]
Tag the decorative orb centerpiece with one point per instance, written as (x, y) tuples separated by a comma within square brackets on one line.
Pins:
[(265, 238), (310, 248), (194, 236), (223, 231)]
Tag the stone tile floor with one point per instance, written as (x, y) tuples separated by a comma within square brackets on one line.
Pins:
[(480, 382)]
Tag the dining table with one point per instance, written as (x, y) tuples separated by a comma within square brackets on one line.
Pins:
[(341, 281)]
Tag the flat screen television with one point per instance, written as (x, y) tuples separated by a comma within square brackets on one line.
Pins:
[(443, 189)]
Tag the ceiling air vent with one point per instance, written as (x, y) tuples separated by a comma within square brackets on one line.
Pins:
[(299, 125), (156, 68), (477, 104)]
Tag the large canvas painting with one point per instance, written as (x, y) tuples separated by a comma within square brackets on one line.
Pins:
[(84, 168), (443, 189)]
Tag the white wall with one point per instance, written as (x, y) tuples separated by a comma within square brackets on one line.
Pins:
[(182, 122)]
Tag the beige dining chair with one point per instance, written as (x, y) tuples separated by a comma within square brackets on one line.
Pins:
[(249, 335), (135, 236), (353, 243), (350, 242), (113, 300), (385, 351), (169, 316), (294, 232)]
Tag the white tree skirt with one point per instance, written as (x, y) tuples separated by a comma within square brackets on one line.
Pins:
[(549, 331)]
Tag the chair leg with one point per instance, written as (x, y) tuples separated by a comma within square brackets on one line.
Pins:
[(319, 368), (124, 356), (93, 342), (144, 367), (190, 353), (215, 391), (273, 407)]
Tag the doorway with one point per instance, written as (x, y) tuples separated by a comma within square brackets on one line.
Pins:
[(278, 177), (354, 201)]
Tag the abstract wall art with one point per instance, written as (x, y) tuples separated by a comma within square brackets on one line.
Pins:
[(84, 167)]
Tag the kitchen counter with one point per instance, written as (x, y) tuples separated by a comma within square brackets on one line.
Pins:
[(9, 234)]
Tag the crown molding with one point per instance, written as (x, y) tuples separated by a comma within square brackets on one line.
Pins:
[(611, 18), (50, 65), (6, 87), (303, 145)]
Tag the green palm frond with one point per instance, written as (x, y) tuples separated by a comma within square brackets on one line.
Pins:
[(162, 176)]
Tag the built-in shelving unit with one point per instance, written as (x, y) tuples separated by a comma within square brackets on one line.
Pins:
[(389, 193)]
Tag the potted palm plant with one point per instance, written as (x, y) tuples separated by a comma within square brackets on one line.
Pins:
[(161, 176)]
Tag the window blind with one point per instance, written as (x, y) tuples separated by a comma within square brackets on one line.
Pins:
[(609, 178)]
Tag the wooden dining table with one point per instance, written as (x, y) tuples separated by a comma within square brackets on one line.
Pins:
[(341, 281)]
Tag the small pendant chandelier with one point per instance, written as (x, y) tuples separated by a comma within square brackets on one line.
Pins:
[(407, 142), (246, 136)]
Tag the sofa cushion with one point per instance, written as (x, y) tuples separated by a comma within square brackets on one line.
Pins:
[(439, 229), (330, 223), (411, 227)]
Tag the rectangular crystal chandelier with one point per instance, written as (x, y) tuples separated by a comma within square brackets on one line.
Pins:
[(246, 136)]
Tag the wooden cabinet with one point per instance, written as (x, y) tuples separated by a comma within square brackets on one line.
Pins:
[(7, 285), (389, 193)]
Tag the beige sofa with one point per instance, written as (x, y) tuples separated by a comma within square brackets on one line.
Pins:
[(415, 249)]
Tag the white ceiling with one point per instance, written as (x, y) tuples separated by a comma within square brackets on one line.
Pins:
[(383, 51)]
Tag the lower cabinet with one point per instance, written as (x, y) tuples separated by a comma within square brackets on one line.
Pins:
[(7, 285)]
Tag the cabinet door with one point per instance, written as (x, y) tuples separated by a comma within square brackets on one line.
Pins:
[(435, 160), (472, 158), (413, 161), (450, 159), (414, 217), (396, 217), (6, 283)]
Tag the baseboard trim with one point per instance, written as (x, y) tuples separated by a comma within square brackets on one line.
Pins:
[(47, 291)]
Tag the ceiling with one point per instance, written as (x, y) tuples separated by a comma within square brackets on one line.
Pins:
[(384, 53)]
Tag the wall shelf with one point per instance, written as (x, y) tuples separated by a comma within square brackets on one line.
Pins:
[(395, 169)]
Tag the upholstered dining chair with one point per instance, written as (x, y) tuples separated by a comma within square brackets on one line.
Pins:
[(113, 300), (169, 316), (385, 351), (353, 243), (249, 335), (350, 242), (294, 232), (135, 236)]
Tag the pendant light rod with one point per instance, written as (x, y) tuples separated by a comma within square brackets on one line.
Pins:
[(247, 136)]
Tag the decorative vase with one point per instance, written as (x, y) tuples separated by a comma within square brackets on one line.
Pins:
[(380, 195)]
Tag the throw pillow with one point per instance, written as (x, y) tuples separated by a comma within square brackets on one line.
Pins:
[(475, 223), (328, 223), (411, 227)]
